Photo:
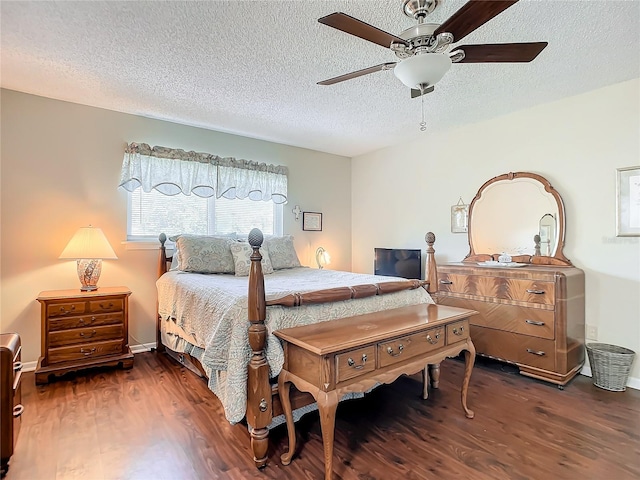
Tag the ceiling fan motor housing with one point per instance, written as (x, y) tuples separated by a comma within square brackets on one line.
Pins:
[(419, 8)]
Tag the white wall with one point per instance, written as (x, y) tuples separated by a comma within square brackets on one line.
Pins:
[(60, 169), (401, 192)]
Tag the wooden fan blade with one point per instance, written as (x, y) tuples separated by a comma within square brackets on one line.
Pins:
[(416, 93), (472, 15), (353, 26), (501, 52), (358, 73)]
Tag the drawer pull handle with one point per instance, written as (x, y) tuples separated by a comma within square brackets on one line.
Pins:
[(17, 366), (65, 311), (535, 292), (534, 322), (88, 352), (433, 341), (263, 405), (110, 305), (352, 362), (446, 282), (17, 410), (540, 353), (392, 353), (83, 321), (459, 331), (84, 335)]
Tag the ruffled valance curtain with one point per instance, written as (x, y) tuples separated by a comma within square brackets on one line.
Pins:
[(171, 171)]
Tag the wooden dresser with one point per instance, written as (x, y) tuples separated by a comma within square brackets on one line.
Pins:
[(531, 316), (10, 395), (83, 329)]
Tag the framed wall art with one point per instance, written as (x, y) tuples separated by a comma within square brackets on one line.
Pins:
[(312, 221), (628, 202)]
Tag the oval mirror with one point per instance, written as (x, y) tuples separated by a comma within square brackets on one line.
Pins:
[(520, 215)]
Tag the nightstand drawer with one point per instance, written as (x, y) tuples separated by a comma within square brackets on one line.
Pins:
[(106, 305), (56, 324), (84, 335), (355, 363), (84, 351), (66, 309)]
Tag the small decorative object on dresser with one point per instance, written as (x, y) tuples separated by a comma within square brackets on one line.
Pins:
[(10, 396), (82, 330), (531, 316)]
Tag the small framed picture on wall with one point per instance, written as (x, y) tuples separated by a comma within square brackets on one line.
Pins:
[(312, 221)]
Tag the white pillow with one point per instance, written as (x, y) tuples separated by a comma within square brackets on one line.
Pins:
[(282, 252), (241, 252), (204, 254)]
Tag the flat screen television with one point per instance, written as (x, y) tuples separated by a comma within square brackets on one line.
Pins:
[(396, 262)]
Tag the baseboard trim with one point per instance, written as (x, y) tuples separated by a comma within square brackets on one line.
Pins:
[(632, 382)]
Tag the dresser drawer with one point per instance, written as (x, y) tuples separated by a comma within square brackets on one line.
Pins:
[(402, 349), (457, 332), (355, 363), (536, 322), (515, 348), (84, 335), (504, 288), (56, 324), (66, 309), (85, 351), (106, 305)]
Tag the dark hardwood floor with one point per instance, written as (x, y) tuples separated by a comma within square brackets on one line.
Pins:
[(159, 421)]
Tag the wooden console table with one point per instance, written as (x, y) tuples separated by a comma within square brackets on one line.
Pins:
[(330, 359)]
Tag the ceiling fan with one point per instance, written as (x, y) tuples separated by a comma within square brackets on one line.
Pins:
[(424, 49)]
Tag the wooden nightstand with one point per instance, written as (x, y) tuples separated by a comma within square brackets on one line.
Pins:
[(82, 330), (10, 397)]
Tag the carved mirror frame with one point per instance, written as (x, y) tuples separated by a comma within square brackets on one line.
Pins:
[(557, 258)]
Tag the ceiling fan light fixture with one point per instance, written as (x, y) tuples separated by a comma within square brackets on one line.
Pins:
[(423, 69)]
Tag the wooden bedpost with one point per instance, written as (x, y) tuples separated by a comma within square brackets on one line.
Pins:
[(430, 271), (162, 269), (259, 397)]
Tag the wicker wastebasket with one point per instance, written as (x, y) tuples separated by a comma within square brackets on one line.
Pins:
[(610, 365)]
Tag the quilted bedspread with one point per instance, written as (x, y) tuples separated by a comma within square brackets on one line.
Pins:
[(212, 310)]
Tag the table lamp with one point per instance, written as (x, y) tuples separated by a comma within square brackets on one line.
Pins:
[(89, 247)]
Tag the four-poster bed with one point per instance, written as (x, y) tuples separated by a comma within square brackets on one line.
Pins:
[(261, 404)]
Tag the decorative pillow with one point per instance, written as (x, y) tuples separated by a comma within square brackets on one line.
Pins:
[(200, 254), (241, 252), (282, 252), (175, 261)]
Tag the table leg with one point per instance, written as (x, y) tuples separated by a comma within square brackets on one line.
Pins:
[(434, 371), (425, 382), (469, 360), (327, 405), (284, 385)]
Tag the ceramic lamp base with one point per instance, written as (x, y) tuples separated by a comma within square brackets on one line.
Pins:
[(89, 272)]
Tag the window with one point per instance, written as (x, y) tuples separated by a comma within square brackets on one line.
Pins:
[(150, 214)]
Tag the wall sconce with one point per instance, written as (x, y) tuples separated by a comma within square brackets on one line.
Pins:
[(88, 246), (322, 258)]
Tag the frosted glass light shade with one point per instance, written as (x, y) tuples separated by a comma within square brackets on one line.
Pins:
[(88, 246), (322, 258), (425, 69)]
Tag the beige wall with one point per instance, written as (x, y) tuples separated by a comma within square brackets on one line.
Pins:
[(60, 169), (402, 192)]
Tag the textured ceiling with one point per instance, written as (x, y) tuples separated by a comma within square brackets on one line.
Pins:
[(251, 67)]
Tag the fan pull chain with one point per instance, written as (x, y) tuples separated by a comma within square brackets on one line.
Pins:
[(423, 124)]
